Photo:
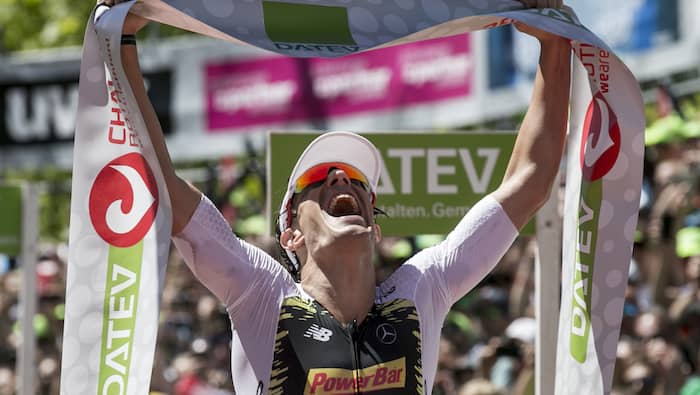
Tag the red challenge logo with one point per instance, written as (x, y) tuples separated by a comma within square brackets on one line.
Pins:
[(600, 143), (124, 200)]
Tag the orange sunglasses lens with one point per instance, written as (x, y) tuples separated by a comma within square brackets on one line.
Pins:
[(319, 173)]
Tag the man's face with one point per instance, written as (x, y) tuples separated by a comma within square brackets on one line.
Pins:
[(339, 205)]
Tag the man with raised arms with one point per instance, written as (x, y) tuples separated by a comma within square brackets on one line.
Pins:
[(319, 324)]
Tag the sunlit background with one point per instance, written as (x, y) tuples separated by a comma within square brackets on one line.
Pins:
[(216, 102)]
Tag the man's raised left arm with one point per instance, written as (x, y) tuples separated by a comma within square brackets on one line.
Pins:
[(540, 143)]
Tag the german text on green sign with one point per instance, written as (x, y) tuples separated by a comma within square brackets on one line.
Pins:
[(429, 180)]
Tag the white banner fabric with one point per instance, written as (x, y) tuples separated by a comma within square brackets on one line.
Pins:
[(119, 230)]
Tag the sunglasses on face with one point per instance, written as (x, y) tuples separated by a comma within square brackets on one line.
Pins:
[(317, 175)]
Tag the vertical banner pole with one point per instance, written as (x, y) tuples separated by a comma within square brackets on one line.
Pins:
[(547, 287), (27, 296)]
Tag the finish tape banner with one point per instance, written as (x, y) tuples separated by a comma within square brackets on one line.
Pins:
[(120, 223), (120, 228)]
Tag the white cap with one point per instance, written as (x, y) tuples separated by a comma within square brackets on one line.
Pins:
[(344, 147)]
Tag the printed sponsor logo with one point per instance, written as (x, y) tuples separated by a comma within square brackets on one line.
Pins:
[(260, 94), (40, 112), (600, 143), (319, 333), (434, 169), (284, 25), (306, 47), (445, 69), (356, 80), (124, 200), (600, 148), (386, 333), (596, 61), (119, 317), (122, 205), (587, 235), (335, 381)]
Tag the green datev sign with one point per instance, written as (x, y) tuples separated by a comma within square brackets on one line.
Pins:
[(430, 180), (10, 220)]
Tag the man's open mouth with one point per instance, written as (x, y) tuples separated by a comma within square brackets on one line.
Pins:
[(343, 204)]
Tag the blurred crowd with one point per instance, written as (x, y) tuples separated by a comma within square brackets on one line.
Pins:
[(487, 345)]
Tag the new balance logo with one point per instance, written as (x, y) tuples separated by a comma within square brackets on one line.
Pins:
[(318, 333)]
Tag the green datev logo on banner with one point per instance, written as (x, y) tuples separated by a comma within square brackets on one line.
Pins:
[(589, 212), (10, 220), (429, 180), (120, 303), (599, 150), (308, 27), (127, 177)]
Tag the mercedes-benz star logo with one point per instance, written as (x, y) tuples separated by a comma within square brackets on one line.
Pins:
[(386, 333)]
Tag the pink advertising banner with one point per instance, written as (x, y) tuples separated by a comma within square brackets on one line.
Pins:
[(248, 93), (253, 92)]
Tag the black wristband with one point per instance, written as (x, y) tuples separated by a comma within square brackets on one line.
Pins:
[(128, 39)]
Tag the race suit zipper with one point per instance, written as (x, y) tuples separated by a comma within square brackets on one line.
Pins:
[(356, 365)]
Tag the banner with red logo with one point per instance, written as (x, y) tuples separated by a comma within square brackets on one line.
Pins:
[(119, 230), (120, 221), (602, 200)]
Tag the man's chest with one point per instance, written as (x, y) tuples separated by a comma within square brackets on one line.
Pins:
[(315, 354)]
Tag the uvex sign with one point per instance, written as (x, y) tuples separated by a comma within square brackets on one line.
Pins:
[(43, 112), (428, 182)]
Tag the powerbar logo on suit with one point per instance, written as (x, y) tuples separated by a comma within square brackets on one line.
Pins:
[(123, 202), (334, 381), (288, 25), (600, 148)]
